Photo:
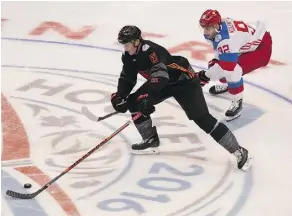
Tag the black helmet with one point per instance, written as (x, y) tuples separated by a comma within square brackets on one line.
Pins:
[(129, 33)]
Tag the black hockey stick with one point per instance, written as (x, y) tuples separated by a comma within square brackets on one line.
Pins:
[(32, 195), (85, 111)]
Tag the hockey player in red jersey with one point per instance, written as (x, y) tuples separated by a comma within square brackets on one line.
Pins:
[(239, 48)]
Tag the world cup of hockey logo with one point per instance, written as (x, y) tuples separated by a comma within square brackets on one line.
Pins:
[(191, 176)]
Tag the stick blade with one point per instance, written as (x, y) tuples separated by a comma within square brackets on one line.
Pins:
[(85, 111), (19, 195)]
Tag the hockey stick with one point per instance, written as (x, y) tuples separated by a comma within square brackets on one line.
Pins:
[(85, 111), (32, 195)]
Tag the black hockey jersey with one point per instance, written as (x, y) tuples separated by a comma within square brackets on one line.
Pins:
[(154, 63)]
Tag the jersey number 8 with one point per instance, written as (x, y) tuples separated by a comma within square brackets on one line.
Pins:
[(241, 26)]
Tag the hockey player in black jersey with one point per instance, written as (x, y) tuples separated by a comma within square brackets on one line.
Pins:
[(167, 76)]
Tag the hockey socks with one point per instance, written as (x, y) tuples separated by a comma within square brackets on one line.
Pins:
[(224, 137)]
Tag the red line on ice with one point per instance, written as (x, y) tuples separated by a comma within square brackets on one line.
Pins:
[(16, 146)]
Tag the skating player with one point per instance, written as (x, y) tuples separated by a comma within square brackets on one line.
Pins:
[(167, 76), (239, 48)]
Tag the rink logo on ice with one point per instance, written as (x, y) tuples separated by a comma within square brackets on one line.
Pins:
[(65, 134), (186, 178)]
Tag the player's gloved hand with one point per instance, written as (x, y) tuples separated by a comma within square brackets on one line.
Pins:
[(119, 103), (212, 63), (145, 105), (203, 78)]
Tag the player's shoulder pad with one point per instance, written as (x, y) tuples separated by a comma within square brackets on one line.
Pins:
[(148, 46), (229, 26), (223, 36), (145, 47), (224, 33)]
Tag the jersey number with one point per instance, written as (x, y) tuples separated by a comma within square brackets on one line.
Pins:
[(153, 57), (224, 49), (241, 26)]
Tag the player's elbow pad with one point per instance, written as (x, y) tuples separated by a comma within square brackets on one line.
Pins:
[(159, 77), (155, 84)]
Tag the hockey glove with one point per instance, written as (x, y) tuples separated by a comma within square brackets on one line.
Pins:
[(145, 105), (203, 78), (119, 103), (212, 63)]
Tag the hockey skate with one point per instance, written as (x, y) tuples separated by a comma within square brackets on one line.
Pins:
[(218, 89), (234, 110), (244, 160), (147, 146)]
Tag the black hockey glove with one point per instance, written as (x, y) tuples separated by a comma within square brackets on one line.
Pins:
[(203, 78), (119, 103), (145, 105)]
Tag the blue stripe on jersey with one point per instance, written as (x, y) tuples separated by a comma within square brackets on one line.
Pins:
[(228, 57), (235, 84), (224, 34)]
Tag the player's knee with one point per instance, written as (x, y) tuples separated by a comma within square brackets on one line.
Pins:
[(206, 122), (132, 103), (211, 126)]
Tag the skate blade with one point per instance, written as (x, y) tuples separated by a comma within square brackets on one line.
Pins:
[(230, 118), (217, 93), (247, 164), (148, 151)]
